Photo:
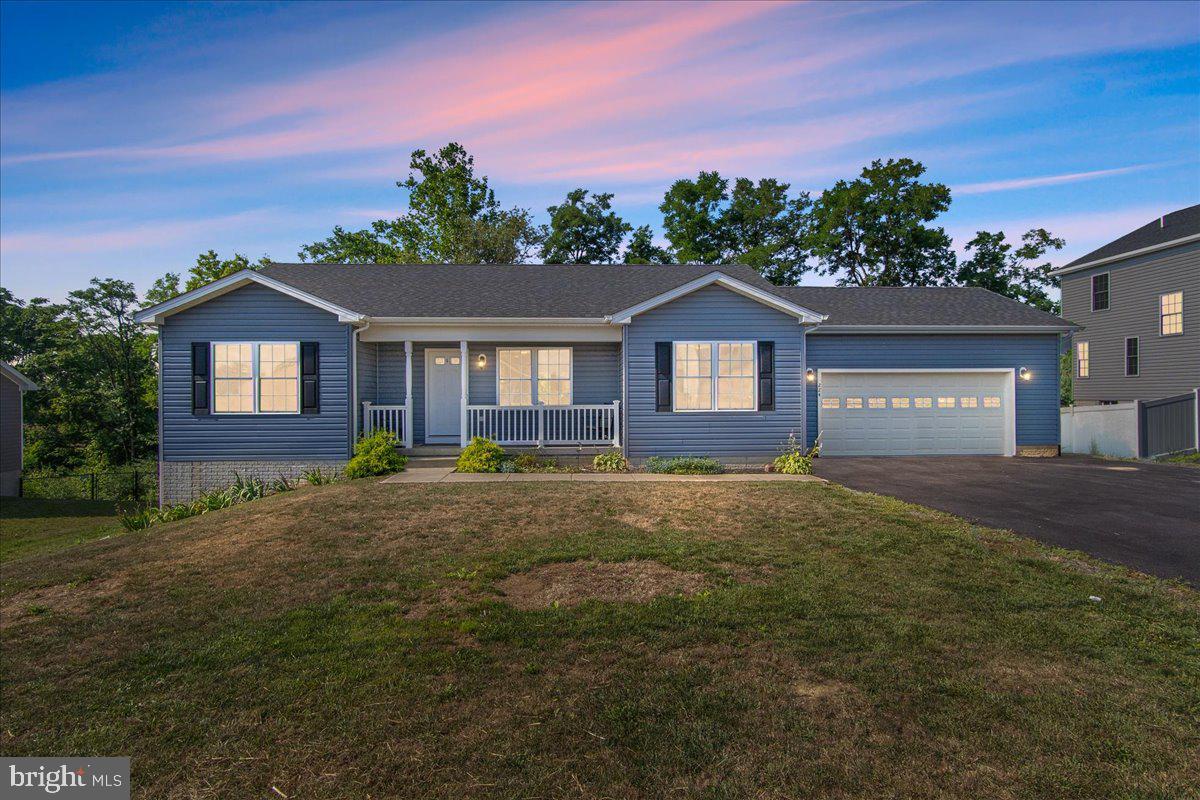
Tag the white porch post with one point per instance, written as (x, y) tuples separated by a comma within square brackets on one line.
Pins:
[(408, 401), (462, 407), (616, 423)]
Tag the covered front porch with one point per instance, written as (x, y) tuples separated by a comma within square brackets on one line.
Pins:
[(441, 393)]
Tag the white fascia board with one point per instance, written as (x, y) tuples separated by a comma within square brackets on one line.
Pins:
[(944, 329), (507, 321), (23, 383), (805, 315), (466, 331), (1154, 248), (156, 314)]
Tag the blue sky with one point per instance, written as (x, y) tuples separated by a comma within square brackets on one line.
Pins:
[(135, 135)]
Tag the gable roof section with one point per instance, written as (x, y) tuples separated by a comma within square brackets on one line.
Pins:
[(10, 372), (155, 314), (1171, 230), (717, 278), (916, 308)]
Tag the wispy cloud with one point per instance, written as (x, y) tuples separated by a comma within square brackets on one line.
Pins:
[(1011, 184)]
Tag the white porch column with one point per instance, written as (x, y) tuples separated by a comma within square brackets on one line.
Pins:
[(462, 408), (408, 401)]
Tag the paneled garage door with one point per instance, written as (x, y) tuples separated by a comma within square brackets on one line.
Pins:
[(915, 413)]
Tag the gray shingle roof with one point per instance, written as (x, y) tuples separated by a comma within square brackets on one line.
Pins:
[(923, 305), (1176, 225), (558, 291)]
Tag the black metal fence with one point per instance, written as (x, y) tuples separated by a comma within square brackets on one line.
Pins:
[(116, 485), (1167, 425)]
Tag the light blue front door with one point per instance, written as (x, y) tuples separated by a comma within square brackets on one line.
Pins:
[(443, 392)]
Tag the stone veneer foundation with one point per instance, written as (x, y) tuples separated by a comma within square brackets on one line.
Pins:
[(182, 481), (1038, 450)]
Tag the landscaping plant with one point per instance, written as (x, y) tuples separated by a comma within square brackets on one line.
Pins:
[(794, 461), (684, 465), (481, 455), (376, 455), (612, 461), (319, 477)]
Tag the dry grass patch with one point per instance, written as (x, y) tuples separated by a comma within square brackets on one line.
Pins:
[(569, 584)]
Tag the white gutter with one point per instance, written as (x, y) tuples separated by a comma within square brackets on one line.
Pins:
[(1064, 328), (1154, 248)]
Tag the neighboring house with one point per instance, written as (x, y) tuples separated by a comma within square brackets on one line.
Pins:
[(265, 373), (13, 386), (1137, 300)]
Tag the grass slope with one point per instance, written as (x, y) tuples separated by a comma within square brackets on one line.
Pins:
[(350, 641), (31, 526)]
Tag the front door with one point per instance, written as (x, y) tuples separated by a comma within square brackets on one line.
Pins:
[(443, 393)]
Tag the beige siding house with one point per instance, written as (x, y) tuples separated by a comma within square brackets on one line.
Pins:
[(1137, 300)]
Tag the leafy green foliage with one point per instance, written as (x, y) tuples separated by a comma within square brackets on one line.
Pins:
[(754, 224), (873, 231), (530, 462), (793, 460), (584, 231), (995, 265), (684, 465), (1066, 378), (610, 461), (318, 476), (453, 217), (642, 249), (480, 455), (376, 455)]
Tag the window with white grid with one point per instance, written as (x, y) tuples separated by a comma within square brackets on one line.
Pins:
[(1171, 313), (715, 376), (233, 378), (278, 378), (693, 376), (256, 377), (515, 373)]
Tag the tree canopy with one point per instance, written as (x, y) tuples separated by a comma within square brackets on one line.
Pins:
[(994, 264), (584, 231), (643, 250)]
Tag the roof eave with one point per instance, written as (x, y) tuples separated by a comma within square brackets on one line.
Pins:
[(946, 329), (1141, 251), (156, 314), (804, 315)]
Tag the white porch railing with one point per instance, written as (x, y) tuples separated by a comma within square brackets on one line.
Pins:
[(394, 418), (547, 425)]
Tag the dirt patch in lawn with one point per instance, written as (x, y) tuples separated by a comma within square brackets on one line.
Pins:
[(570, 583)]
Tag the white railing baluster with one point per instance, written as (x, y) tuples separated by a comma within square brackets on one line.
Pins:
[(597, 424)]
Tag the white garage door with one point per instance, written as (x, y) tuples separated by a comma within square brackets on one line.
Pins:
[(914, 413)]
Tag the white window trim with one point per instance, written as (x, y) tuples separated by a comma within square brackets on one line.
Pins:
[(254, 379), (1182, 305), (1107, 292), (1129, 339), (714, 354), (1078, 373), (533, 375)]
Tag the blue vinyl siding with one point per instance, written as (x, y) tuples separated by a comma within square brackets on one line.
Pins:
[(713, 313), (597, 374), (254, 313), (1037, 399)]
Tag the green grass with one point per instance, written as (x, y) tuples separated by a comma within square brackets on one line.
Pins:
[(34, 527), (1191, 459), (351, 641)]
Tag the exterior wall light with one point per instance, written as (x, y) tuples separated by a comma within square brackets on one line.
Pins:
[(810, 374), (1025, 374), (482, 361)]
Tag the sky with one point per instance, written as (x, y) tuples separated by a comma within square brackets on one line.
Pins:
[(133, 136)]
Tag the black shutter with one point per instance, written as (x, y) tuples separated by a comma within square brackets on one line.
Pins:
[(662, 376), (766, 376), (310, 378), (200, 390)]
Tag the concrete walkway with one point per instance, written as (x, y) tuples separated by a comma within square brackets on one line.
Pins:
[(448, 475)]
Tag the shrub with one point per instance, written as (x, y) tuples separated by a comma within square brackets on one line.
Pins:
[(508, 466), (612, 461), (481, 455), (795, 461), (282, 484), (245, 489), (318, 476), (375, 455), (528, 462), (683, 465), (139, 518)]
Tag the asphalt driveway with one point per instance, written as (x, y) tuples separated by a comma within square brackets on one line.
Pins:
[(1146, 516)]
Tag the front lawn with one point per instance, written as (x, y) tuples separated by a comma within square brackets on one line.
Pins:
[(30, 526), (463, 641)]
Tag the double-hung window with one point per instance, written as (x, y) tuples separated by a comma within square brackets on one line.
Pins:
[(1100, 292), (1132, 357), (1083, 362), (715, 376), (1170, 310), (256, 377), (527, 376)]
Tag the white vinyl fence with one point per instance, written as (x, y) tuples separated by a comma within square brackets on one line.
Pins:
[(1100, 430)]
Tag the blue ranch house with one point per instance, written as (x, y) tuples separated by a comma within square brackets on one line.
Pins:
[(265, 373)]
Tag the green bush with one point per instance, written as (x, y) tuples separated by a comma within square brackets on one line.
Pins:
[(319, 477), (612, 461), (528, 462), (481, 455), (139, 518), (683, 465), (376, 455), (795, 461)]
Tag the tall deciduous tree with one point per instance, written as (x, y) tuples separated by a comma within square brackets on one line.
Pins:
[(642, 249), (996, 265), (755, 224), (209, 267), (874, 230), (453, 217), (584, 231)]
